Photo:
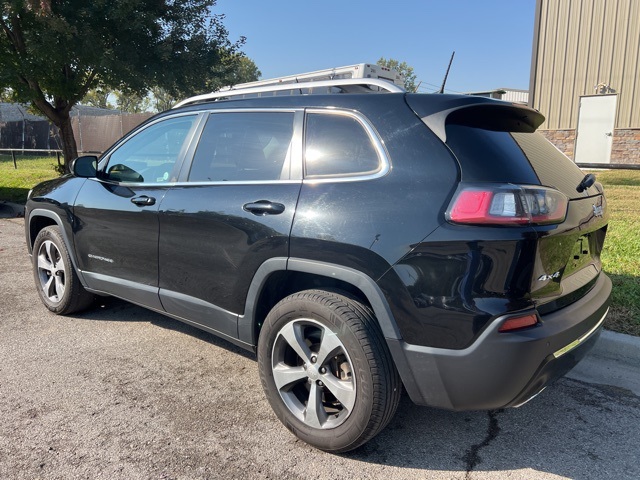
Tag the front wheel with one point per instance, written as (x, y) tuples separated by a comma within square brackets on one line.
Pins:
[(326, 370), (56, 280)]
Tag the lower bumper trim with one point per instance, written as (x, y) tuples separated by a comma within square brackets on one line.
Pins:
[(577, 342)]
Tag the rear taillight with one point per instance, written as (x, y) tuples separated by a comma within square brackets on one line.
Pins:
[(499, 204)]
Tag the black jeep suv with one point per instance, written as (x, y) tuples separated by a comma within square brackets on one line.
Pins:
[(357, 240)]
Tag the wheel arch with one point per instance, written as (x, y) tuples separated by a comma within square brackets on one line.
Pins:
[(279, 277), (40, 218)]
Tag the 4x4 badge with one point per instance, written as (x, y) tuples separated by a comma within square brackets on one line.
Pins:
[(546, 276), (597, 210)]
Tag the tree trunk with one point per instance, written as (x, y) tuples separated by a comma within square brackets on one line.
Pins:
[(69, 148)]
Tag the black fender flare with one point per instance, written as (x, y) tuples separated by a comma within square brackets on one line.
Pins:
[(41, 212), (368, 286)]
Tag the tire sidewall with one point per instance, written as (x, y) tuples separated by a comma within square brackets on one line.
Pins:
[(347, 433), (52, 234)]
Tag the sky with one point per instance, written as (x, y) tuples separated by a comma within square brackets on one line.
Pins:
[(492, 38)]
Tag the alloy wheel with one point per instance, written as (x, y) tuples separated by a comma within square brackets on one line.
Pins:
[(313, 374)]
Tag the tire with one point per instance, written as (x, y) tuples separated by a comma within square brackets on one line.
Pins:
[(329, 347), (56, 280)]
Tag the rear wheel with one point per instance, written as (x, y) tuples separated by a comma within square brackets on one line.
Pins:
[(56, 280), (326, 370)]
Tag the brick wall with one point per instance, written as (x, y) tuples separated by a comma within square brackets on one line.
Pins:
[(625, 148), (565, 140)]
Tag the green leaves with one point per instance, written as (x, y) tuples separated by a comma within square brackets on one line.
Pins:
[(404, 69), (53, 52)]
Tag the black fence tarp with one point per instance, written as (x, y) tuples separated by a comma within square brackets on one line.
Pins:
[(95, 129)]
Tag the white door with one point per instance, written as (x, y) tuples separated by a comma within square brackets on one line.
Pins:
[(594, 136)]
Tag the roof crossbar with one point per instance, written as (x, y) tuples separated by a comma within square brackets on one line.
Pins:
[(345, 83)]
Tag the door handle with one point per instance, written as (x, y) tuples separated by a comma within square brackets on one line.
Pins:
[(143, 200), (264, 207)]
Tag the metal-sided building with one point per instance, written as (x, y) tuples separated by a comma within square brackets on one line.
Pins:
[(585, 78)]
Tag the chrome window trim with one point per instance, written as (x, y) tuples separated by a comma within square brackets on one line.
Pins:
[(295, 167), (244, 182), (186, 148), (385, 164)]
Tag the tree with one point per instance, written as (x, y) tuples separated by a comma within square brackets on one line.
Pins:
[(244, 70), (52, 52), (97, 97), (234, 68), (6, 95), (132, 102), (404, 69), (162, 100)]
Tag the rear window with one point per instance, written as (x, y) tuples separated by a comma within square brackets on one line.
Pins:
[(513, 157), (489, 156), (552, 167)]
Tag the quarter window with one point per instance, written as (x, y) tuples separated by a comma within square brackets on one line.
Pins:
[(244, 146), (338, 145), (151, 155)]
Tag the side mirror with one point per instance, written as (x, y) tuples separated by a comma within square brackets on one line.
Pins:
[(85, 166)]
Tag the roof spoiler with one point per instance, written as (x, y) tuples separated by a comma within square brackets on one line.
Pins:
[(479, 112)]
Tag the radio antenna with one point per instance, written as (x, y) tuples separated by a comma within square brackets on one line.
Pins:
[(447, 74)]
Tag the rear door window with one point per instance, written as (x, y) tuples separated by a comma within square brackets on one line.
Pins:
[(244, 146)]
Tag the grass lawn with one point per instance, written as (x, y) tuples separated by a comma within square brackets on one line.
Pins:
[(621, 256), (16, 183)]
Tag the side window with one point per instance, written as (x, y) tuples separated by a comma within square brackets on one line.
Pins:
[(338, 145), (244, 146), (150, 155)]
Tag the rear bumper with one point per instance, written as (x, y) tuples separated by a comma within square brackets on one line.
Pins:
[(503, 369)]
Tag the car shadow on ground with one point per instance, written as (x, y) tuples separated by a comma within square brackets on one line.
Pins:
[(572, 429), (116, 310)]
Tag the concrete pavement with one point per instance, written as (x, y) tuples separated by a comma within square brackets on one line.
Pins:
[(614, 360)]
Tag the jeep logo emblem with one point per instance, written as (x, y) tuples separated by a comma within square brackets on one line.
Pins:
[(597, 210)]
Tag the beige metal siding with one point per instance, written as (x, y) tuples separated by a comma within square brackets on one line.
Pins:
[(579, 44)]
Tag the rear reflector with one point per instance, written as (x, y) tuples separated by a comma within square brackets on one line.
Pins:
[(498, 204), (517, 323)]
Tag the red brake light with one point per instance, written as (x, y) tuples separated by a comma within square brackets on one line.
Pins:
[(507, 205), (517, 323)]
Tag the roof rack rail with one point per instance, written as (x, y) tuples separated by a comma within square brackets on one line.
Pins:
[(348, 85)]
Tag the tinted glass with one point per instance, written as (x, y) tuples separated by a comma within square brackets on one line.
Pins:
[(551, 165), (151, 155), (338, 145), (244, 146), (489, 156)]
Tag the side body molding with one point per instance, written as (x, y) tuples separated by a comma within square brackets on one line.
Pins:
[(246, 330)]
